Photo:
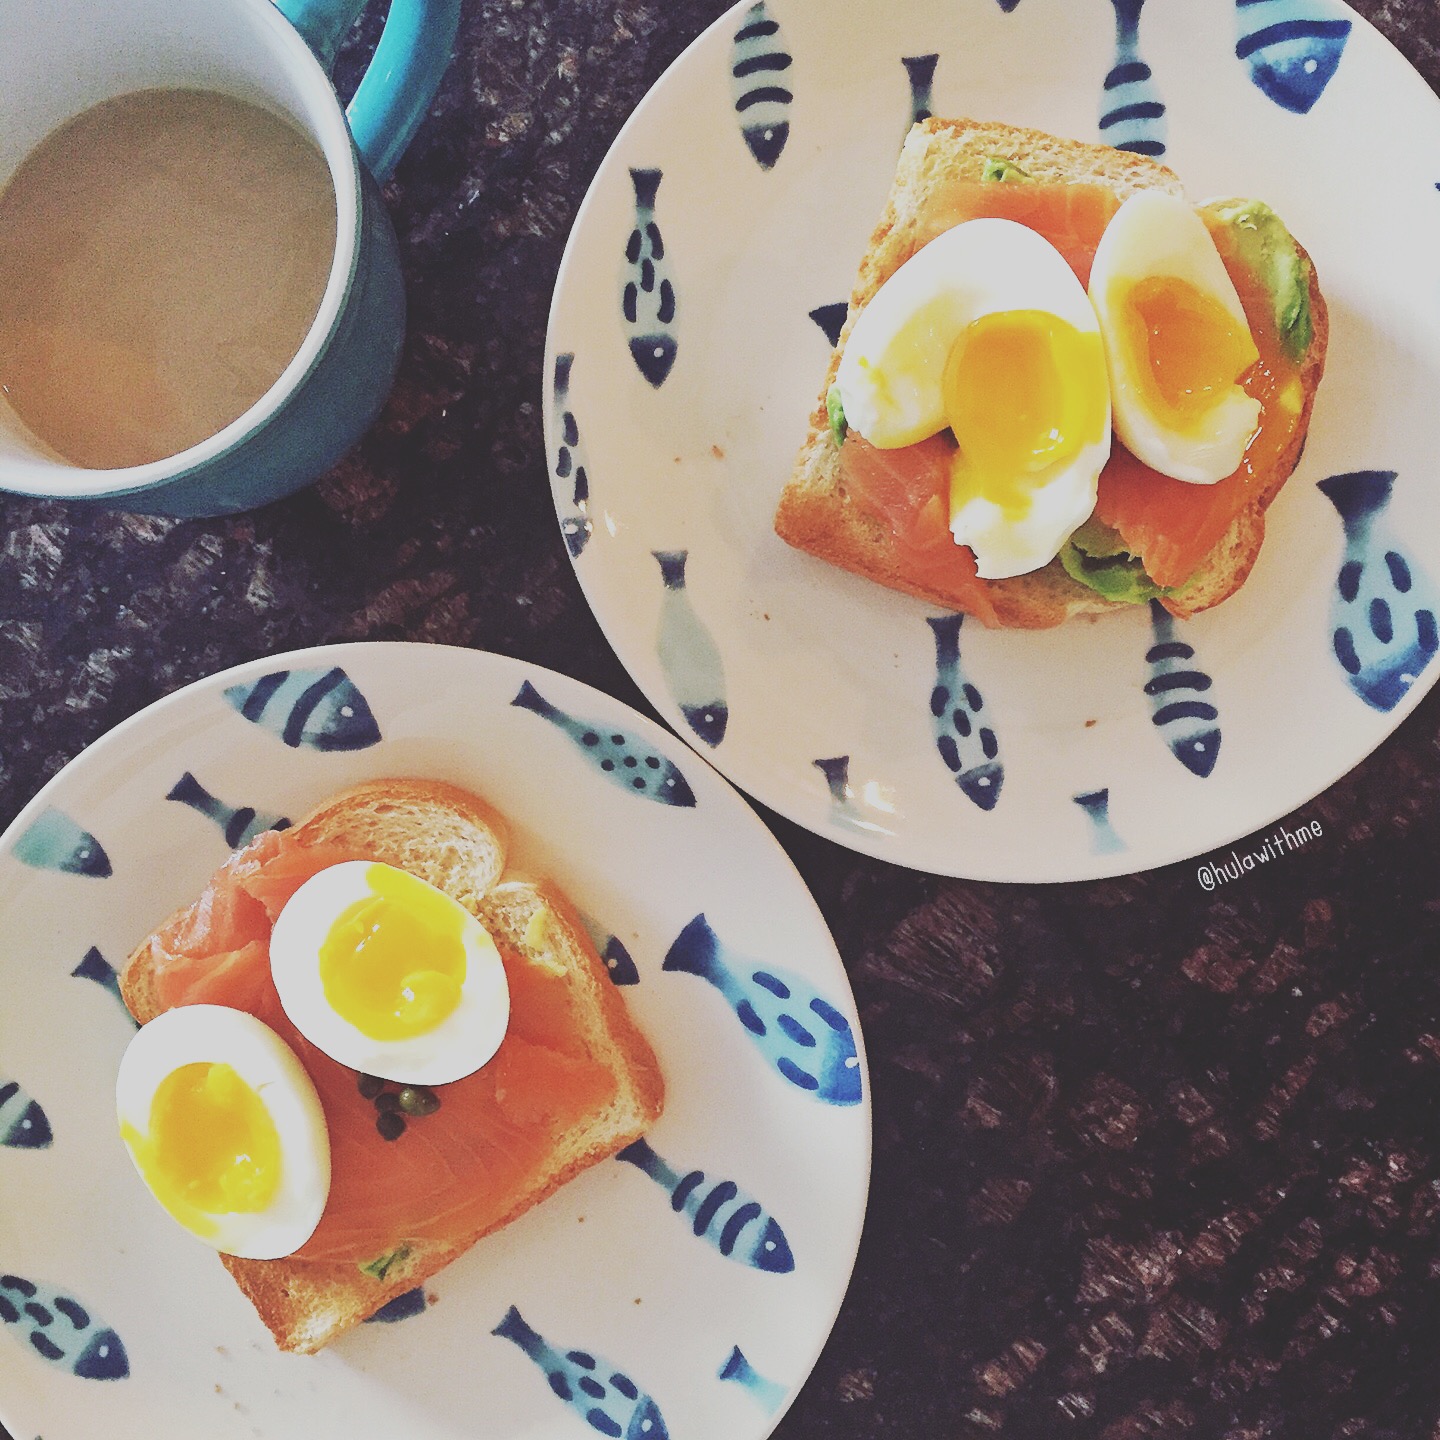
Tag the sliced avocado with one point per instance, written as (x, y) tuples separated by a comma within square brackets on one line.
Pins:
[(1096, 557), (835, 409), (381, 1266), (1270, 251), (1002, 171)]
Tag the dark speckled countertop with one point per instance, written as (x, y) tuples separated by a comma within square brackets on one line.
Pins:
[(1148, 1162)]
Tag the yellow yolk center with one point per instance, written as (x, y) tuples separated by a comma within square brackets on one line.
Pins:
[(211, 1149), (1024, 391), (1187, 348), (393, 963)]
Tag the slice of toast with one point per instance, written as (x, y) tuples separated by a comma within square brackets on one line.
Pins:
[(455, 841), (815, 514)]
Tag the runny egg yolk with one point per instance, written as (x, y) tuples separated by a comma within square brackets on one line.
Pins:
[(393, 963), (1189, 351), (1024, 391), (211, 1147)]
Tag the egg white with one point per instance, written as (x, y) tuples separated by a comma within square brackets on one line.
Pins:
[(458, 1046), (1155, 234), (216, 1034)]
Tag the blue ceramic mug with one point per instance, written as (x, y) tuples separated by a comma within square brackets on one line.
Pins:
[(60, 57)]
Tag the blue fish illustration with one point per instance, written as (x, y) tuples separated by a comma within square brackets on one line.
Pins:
[(768, 1394), (805, 1038), (921, 70), (402, 1307), (1292, 48), (1096, 804), (966, 745), (61, 1330), (845, 809), (689, 658), (758, 59), (1132, 115), (629, 762), (605, 1397), (1007, 5), (23, 1124), (239, 827), (831, 319), (1384, 608), (570, 462), (648, 297), (53, 841), (618, 963), (1188, 724), (97, 968), (321, 709), (719, 1212)]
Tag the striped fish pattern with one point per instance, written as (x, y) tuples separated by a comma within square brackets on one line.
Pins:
[(622, 759), (689, 657), (97, 968), (23, 1124), (1187, 723), (606, 1398), (1132, 115), (804, 1038), (719, 1212), (767, 1394), (570, 461), (1383, 611), (238, 826), (1104, 839), (60, 1329), (53, 841), (1292, 48), (758, 62), (320, 709), (920, 69), (967, 745), (647, 296)]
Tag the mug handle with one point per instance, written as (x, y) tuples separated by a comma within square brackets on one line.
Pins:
[(397, 88)]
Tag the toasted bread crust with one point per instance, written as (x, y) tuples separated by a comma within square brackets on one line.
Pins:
[(817, 515), (451, 838)]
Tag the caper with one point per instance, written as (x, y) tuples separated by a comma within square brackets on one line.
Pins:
[(390, 1124), (387, 1100), (369, 1086), (418, 1100)]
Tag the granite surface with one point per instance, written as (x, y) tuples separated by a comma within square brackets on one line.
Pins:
[(1148, 1162)]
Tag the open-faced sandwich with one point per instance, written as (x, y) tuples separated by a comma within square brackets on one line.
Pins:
[(363, 1049), (1061, 388)]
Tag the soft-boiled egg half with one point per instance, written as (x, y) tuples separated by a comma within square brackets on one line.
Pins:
[(987, 331), (388, 975), (1177, 340), (226, 1129)]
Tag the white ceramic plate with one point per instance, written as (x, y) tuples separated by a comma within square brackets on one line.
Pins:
[(824, 681), (165, 1346)]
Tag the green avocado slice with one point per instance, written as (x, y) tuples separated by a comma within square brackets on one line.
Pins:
[(1269, 250), (1096, 557)]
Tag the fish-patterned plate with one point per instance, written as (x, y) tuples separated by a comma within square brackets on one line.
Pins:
[(703, 286), (682, 1289)]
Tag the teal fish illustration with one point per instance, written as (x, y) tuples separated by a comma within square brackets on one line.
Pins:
[(61, 1330), (629, 762), (239, 827), (97, 968), (647, 298), (320, 709), (1096, 804), (570, 461), (23, 1124), (1292, 48), (1383, 611), (845, 809), (921, 72), (758, 61), (402, 1307), (53, 841), (1132, 115), (1187, 724), (689, 658), (966, 743), (719, 1212), (803, 1037), (603, 1396), (768, 1394), (619, 965)]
